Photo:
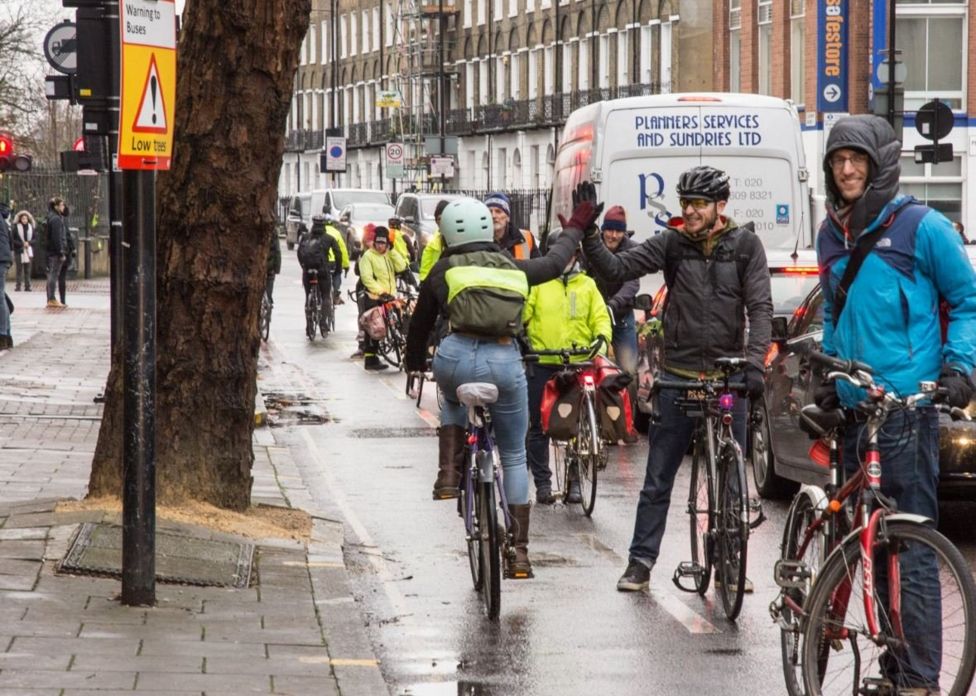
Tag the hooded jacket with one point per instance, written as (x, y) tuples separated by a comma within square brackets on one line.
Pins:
[(709, 299), (565, 312), (891, 317), (20, 234), (57, 234)]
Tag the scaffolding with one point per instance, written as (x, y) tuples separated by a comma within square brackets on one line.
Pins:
[(423, 37)]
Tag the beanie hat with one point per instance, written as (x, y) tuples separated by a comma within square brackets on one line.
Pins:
[(381, 233), (499, 200), (4, 210), (615, 219)]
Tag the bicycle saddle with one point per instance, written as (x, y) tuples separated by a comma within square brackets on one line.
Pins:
[(477, 393), (816, 422)]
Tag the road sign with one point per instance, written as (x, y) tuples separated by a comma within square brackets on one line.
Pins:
[(442, 167), (388, 99), (881, 73), (148, 83), (934, 120), (335, 154), (61, 47), (394, 160)]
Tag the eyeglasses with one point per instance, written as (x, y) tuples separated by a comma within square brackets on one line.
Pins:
[(696, 203), (858, 159), (384, 242)]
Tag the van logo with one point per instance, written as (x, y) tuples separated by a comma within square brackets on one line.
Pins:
[(782, 214), (651, 193)]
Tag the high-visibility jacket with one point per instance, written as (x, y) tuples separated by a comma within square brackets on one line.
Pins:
[(432, 252), (565, 312), (523, 250), (343, 252), (486, 294), (378, 271)]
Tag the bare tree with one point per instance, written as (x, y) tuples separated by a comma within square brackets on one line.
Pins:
[(236, 65)]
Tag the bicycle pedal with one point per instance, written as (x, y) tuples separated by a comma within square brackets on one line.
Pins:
[(687, 569), (877, 686), (791, 575), (756, 508)]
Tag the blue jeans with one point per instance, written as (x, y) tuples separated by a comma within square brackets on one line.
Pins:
[(461, 359), (4, 312), (909, 444), (537, 444), (336, 280), (625, 342), (669, 440)]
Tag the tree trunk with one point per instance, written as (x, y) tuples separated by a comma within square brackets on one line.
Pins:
[(215, 216)]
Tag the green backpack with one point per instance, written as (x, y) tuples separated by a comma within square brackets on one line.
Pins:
[(486, 292)]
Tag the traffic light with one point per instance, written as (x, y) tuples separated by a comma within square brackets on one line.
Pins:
[(10, 160)]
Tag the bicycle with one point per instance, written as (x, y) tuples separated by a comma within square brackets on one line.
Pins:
[(719, 508), (319, 316), (265, 318), (847, 540), (586, 453), (396, 315), (482, 493)]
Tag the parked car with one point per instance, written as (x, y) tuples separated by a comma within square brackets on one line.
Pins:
[(354, 218), (304, 205), (416, 211), (780, 449)]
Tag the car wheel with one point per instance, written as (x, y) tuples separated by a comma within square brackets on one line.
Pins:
[(768, 484)]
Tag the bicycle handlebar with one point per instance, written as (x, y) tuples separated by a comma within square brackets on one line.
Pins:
[(848, 367), (739, 387), (589, 352)]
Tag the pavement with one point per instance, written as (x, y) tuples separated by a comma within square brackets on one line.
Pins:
[(296, 630)]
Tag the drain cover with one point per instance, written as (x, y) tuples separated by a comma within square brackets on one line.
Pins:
[(97, 550), (369, 433)]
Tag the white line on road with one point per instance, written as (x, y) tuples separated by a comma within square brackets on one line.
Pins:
[(685, 615)]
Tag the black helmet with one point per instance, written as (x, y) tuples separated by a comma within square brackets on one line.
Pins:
[(551, 239), (706, 182)]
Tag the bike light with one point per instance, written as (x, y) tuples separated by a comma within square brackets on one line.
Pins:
[(963, 441), (771, 354), (472, 439), (726, 401), (588, 380)]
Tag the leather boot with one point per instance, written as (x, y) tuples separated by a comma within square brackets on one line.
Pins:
[(520, 568), (450, 458)]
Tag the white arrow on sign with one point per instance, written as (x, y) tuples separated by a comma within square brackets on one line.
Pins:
[(832, 93)]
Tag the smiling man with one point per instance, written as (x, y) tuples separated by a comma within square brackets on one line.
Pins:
[(717, 275)]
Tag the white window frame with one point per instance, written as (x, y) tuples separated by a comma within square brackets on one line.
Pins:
[(469, 70), (482, 12), (735, 37), (567, 85), (483, 81), (583, 73), (798, 51), (623, 57), (376, 28), (513, 8), (499, 10), (533, 86), (388, 23), (353, 34), (931, 176), (549, 69), (343, 36), (916, 98), (603, 61), (367, 37), (468, 13), (646, 51), (516, 85), (764, 39)]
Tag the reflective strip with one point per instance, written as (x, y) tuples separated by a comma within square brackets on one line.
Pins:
[(464, 277)]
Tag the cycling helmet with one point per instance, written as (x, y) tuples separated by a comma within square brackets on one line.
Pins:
[(551, 239), (318, 224), (704, 182), (466, 220)]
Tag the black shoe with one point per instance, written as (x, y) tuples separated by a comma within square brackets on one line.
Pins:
[(373, 364), (544, 497), (637, 577)]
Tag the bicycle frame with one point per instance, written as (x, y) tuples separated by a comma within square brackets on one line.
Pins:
[(485, 469)]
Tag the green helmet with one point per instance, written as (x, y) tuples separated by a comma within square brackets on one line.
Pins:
[(466, 220)]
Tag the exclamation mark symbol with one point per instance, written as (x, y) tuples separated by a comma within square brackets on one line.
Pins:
[(152, 91)]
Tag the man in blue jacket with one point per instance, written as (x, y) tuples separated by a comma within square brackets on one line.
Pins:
[(890, 320)]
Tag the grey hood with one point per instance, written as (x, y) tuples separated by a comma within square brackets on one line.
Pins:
[(874, 136)]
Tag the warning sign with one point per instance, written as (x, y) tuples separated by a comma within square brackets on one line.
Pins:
[(148, 83)]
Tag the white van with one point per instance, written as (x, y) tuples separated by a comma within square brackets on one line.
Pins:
[(303, 206), (634, 150)]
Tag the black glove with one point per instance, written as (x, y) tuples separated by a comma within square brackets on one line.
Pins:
[(958, 387), (755, 382), (825, 396), (586, 209)]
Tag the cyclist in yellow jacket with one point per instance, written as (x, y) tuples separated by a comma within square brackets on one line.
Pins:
[(565, 312), (343, 265), (378, 268), (435, 247)]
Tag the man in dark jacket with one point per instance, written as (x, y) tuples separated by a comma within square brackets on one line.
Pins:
[(6, 258), (57, 248), (717, 275), (619, 295), (519, 244), (917, 262), (274, 264)]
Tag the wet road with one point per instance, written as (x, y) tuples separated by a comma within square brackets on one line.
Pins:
[(568, 631)]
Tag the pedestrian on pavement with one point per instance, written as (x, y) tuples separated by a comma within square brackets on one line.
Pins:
[(378, 268), (57, 249), (618, 295), (519, 244), (561, 313), (274, 265), (6, 258), (483, 290), (717, 275), (23, 237), (911, 257)]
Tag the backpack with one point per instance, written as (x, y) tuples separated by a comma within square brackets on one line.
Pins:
[(486, 294), (311, 253)]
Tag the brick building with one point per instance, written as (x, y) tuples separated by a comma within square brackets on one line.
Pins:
[(812, 51), (514, 70)]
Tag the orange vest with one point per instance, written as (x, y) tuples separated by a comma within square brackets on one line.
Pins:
[(524, 250)]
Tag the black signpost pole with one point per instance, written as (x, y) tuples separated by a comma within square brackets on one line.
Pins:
[(891, 62)]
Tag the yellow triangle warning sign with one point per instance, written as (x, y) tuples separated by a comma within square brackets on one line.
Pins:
[(151, 117)]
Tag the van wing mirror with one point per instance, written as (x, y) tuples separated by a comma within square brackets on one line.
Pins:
[(410, 220), (644, 302), (779, 328)]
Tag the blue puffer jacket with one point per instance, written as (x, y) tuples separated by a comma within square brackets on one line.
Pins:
[(891, 317)]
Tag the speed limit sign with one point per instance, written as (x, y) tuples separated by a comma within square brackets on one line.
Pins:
[(394, 160)]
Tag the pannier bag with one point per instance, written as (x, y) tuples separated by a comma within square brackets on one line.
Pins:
[(373, 323), (562, 399), (613, 408)]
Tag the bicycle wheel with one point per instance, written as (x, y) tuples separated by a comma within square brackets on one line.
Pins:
[(802, 512), (311, 315), (325, 312), (265, 317), (700, 515), (562, 458), (839, 657), (490, 549), (588, 462), (731, 530), (466, 507)]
